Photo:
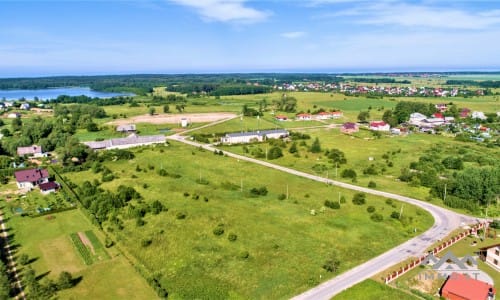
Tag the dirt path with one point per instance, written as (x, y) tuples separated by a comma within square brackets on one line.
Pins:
[(85, 240), (175, 118)]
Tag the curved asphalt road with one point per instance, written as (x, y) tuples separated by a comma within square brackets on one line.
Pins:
[(445, 221)]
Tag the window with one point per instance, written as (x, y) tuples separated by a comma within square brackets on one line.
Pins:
[(497, 252), (495, 262)]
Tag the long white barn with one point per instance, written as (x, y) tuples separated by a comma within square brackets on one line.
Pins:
[(130, 141), (253, 136)]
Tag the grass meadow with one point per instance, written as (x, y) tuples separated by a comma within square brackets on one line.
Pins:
[(46, 240), (370, 289), (281, 245)]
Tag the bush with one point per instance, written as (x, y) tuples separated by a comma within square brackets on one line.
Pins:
[(343, 200), (372, 184), (281, 197), (395, 215), (64, 281), (24, 259), (389, 201), (376, 217), (146, 242), (180, 216), (348, 173), (244, 254), (359, 199), (370, 209), (262, 191), (232, 237), (332, 204), (331, 265), (219, 230), (108, 243)]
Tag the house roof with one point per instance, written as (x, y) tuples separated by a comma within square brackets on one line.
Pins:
[(377, 123), (258, 133), (349, 125), (132, 139), (125, 127), (52, 185), (29, 150), (417, 115), (466, 287), (438, 115), (303, 115), (490, 246), (31, 175), (281, 117)]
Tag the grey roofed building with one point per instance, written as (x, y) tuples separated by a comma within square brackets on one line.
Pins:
[(130, 141), (126, 128)]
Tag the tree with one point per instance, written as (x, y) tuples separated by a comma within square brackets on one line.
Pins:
[(166, 108), (17, 124), (65, 280), (363, 116), (337, 156), (274, 153), (359, 199), (152, 110), (332, 264), (92, 127), (293, 148), (24, 259), (348, 173), (4, 282), (389, 118), (316, 146)]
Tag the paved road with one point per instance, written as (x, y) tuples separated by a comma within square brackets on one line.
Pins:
[(11, 263), (445, 221)]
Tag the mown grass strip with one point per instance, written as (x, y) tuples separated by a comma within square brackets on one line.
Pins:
[(98, 247), (81, 248)]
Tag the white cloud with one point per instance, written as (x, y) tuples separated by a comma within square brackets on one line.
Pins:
[(420, 16), (225, 10), (293, 34)]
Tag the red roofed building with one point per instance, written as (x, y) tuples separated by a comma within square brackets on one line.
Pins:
[(349, 128), (438, 115), (462, 287), (281, 118), (304, 117), (48, 187), (380, 126), (28, 179)]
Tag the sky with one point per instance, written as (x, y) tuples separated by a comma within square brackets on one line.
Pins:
[(42, 38)]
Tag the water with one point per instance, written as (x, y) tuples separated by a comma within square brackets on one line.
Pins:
[(52, 93)]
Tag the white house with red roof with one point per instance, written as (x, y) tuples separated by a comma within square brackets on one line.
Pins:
[(323, 115), (380, 126), (303, 117), (28, 179), (281, 118)]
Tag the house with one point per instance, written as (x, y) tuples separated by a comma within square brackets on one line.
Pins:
[(349, 128), (254, 136), (438, 115), (48, 187), (25, 106), (336, 114), (281, 118), (130, 141), (441, 107), (33, 150), (379, 126), (462, 287), (28, 179), (304, 117), (8, 104), (478, 115), (127, 128), (323, 115), (464, 113), (491, 255), (416, 118), (14, 115)]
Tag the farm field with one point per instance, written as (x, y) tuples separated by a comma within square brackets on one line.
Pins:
[(388, 154), (46, 240), (277, 247)]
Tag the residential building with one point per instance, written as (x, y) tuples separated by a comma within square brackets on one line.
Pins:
[(464, 113), (462, 287), (281, 118), (127, 128), (349, 128), (304, 117), (25, 106), (33, 150), (48, 187), (253, 136), (491, 255), (478, 115), (28, 179), (380, 126), (14, 115)]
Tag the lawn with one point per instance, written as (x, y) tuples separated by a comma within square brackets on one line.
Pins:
[(46, 240), (370, 289), (280, 246)]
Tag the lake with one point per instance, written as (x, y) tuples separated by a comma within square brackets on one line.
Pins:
[(52, 93)]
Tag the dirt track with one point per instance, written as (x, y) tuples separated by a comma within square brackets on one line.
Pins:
[(175, 118)]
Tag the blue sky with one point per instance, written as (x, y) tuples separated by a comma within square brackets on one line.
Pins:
[(201, 36)]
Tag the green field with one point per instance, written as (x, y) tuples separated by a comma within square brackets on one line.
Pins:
[(286, 244), (46, 240), (370, 289)]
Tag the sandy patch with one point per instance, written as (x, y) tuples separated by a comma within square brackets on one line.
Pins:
[(174, 118)]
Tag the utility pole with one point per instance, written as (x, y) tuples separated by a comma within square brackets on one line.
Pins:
[(287, 192), (339, 198), (241, 185), (444, 197), (401, 212), (336, 166)]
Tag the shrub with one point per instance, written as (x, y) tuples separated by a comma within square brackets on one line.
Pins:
[(395, 215), (24, 259), (376, 217), (348, 173), (281, 197), (370, 209), (108, 243), (244, 254), (219, 230), (180, 216), (359, 199), (232, 237), (332, 204), (331, 265), (343, 200), (262, 191), (146, 242), (389, 201), (372, 184)]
